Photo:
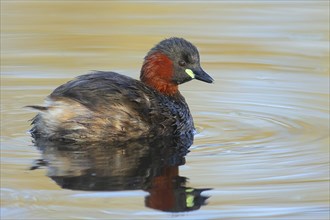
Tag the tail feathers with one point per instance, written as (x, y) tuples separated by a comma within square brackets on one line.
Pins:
[(37, 107)]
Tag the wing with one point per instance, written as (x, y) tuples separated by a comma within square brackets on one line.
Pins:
[(100, 90)]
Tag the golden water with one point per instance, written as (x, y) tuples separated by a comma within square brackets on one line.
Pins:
[(263, 141)]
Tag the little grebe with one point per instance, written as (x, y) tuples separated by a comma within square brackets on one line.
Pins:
[(107, 106)]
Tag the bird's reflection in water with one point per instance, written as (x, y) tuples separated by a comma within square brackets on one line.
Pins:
[(150, 165)]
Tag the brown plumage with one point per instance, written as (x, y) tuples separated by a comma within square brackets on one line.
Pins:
[(107, 106)]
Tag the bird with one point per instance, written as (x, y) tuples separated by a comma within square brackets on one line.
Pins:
[(111, 107)]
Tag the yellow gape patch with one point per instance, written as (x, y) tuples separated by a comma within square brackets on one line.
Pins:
[(190, 73), (189, 198)]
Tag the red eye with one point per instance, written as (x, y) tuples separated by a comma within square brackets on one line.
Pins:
[(182, 63)]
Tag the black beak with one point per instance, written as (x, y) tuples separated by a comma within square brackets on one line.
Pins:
[(201, 75)]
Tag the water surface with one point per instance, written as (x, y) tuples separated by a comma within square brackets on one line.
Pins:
[(263, 126)]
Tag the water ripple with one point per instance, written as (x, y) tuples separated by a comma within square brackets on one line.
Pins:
[(244, 123)]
